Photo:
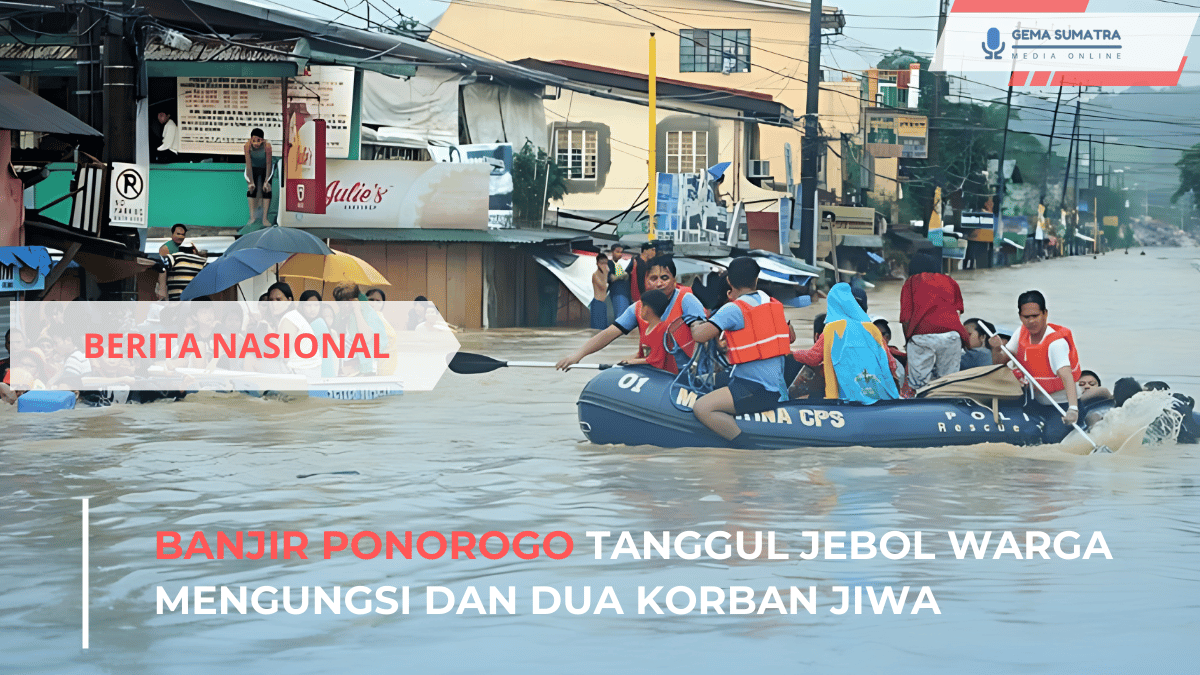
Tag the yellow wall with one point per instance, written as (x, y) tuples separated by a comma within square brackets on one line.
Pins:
[(628, 125), (597, 34)]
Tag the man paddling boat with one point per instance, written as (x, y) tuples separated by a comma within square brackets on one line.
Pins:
[(1048, 352), (683, 305)]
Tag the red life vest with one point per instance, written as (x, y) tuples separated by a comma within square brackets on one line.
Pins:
[(1036, 358), (764, 336), (652, 342)]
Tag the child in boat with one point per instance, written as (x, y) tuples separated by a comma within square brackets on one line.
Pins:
[(651, 350), (758, 337)]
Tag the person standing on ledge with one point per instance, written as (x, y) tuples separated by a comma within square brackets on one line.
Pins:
[(1048, 352), (258, 176)]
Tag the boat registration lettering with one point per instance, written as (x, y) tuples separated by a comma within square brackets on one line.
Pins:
[(811, 418), (632, 382)]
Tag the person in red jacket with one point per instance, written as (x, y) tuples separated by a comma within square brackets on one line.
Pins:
[(930, 303)]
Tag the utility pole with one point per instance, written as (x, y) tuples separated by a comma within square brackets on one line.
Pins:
[(1071, 148), (1050, 146), (811, 145), (935, 106), (1000, 189)]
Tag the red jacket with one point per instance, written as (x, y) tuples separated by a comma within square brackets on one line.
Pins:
[(930, 304)]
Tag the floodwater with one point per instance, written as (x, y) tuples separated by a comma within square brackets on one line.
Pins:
[(503, 451)]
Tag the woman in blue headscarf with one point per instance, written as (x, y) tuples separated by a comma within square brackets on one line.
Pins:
[(856, 357)]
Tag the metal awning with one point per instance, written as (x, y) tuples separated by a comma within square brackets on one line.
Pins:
[(23, 110), (862, 240), (494, 236)]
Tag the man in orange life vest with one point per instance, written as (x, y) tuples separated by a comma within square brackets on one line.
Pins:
[(683, 305), (758, 338), (1048, 352)]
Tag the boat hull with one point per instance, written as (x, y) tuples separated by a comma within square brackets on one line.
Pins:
[(637, 406)]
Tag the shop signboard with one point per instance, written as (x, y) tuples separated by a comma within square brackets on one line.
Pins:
[(498, 157), (389, 194)]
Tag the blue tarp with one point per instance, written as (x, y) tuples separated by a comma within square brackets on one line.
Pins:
[(36, 257)]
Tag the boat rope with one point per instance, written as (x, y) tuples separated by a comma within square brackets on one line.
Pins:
[(699, 376)]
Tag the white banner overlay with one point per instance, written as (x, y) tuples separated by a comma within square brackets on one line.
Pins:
[(130, 352), (1089, 42)]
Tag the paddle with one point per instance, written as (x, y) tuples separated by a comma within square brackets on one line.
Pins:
[(1096, 448), (465, 363)]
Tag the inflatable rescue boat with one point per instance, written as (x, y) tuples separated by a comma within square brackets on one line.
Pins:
[(641, 405)]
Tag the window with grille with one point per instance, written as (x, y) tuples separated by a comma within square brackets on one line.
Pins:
[(714, 51), (687, 151), (576, 152)]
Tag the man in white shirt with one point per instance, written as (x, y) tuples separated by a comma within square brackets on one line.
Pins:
[(169, 150)]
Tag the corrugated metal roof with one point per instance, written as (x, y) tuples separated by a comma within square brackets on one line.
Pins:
[(20, 52), (216, 50), (22, 110), (498, 236)]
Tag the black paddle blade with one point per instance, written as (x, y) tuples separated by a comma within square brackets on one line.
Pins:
[(465, 363)]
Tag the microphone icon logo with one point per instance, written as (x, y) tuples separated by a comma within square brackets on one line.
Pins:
[(993, 47)]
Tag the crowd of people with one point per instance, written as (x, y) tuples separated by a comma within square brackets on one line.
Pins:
[(852, 358)]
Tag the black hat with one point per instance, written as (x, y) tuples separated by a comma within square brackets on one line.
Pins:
[(649, 245)]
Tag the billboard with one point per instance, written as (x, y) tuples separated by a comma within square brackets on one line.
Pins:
[(216, 114), (894, 135)]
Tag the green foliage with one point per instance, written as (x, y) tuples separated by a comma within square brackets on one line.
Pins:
[(1189, 174), (531, 192)]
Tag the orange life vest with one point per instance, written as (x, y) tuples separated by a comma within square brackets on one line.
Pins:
[(652, 342), (764, 336), (1036, 358)]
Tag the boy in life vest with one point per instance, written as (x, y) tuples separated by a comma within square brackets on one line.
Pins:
[(1048, 352), (758, 337), (651, 347), (681, 304)]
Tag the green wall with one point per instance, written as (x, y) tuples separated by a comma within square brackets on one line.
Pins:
[(205, 194)]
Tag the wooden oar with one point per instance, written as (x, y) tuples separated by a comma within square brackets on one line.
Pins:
[(465, 363)]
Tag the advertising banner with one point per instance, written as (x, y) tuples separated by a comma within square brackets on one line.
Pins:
[(912, 132), (687, 209), (499, 159), (304, 161), (388, 194), (882, 138), (217, 114)]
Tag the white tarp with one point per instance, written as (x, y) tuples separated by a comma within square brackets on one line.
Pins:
[(502, 114), (576, 276), (425, 105)]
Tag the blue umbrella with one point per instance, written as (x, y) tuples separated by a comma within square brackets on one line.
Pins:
[(286, 239), (718, 170), (230, 269)]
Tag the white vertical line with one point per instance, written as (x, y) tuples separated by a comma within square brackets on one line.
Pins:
[(85, 573)]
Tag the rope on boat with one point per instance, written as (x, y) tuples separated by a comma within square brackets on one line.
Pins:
[(699, 376)]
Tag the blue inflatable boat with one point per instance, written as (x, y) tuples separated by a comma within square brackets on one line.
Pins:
[(641, 405)]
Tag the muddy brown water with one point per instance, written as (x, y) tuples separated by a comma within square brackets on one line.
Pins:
[(503, 451)]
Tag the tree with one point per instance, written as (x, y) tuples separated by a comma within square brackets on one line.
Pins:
[(531, 191), (1189, 174)]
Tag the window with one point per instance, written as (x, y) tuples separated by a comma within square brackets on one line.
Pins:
[(576, 152), (714, 51), (687, 151)]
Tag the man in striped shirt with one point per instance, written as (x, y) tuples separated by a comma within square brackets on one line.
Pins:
[(182, 267)]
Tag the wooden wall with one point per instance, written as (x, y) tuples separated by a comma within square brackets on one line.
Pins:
[(449, 274)]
